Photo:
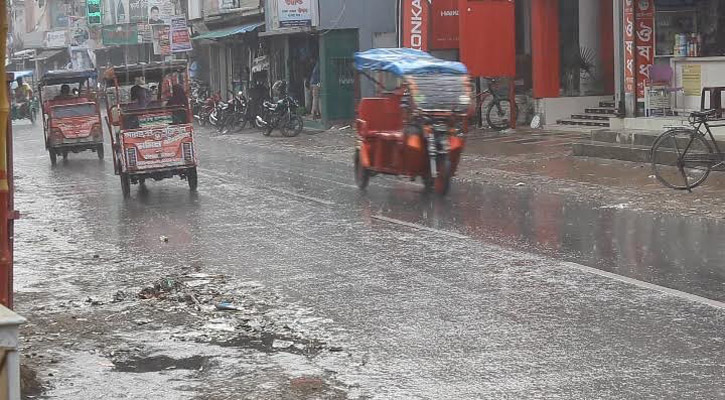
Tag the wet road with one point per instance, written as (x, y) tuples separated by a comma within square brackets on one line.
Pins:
[(489, 293)]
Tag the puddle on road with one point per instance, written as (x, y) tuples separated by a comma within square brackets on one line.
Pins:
[(160, 363), (270, 343), (682, 253)]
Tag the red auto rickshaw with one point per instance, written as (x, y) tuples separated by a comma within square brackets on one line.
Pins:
[(415, 128), (151, 137), (71, 115)]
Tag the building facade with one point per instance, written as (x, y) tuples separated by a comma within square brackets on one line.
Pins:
[(326, 33)]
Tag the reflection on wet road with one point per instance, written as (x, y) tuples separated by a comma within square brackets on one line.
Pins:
[(469, 296)]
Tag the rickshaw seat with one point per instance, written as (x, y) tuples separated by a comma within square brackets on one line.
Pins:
[(65, 102), (380, 117)]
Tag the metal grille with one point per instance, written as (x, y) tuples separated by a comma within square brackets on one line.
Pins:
[(188, 150), (131, 157)]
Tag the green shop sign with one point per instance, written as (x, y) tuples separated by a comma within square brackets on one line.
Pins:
[(120, 35)]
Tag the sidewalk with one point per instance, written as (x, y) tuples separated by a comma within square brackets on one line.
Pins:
[(543, 160)]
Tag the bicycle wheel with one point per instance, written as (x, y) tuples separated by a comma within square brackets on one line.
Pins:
[(682, 159), (498, 114)]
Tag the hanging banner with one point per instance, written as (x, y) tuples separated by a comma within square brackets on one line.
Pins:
[(294, 13), (162, 40), (180, 37), (145, 33), (260, 64), (118, 11), (629, 56), (444, 25), (644, 41), (160, 11), (138, 10), (78, 31), (414, 27), (120, 35)]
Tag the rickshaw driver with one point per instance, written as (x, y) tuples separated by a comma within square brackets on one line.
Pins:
[(23, 93)]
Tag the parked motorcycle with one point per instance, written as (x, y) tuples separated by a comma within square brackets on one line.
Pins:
[(207, 110), (281, 115), (233, 114)]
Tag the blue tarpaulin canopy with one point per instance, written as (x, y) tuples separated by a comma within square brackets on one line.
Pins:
[(403, 61), (222, 33), (22, 74)]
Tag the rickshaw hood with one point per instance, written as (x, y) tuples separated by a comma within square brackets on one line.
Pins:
[(402, 61)]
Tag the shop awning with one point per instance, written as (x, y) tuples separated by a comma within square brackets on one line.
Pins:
[(222, 33), (46, 54)]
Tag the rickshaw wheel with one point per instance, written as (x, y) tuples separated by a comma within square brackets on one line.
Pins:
[(99, 151), (53, 157), (31, 116), (125, 184), (442, 182), (65, 156), (362, 175), (191, 177)]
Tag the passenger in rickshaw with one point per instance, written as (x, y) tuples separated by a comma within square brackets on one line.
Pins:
[(178, 99), (64, 93), (139, 95)]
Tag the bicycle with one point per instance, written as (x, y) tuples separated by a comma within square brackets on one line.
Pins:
[(683, 157), (498, 110)]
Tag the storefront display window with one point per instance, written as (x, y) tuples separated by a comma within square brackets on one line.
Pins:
[(690, 28)]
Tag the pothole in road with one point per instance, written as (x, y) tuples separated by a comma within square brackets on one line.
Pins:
[(160, 363), (271, 343)]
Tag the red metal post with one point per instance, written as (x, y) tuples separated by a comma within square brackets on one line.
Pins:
[(545, 48)]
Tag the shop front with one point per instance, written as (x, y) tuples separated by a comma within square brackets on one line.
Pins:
[(690, 45), (226, 56)]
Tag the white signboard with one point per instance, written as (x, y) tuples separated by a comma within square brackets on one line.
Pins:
[(81, 58), (260, 64), (294, 13), (56, 39)]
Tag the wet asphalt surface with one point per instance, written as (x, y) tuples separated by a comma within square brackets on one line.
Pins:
[(483, 294)]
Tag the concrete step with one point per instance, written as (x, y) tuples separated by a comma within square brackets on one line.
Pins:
[(607, 104), (314, 125), (595, 117), (611, 151), (583, 122), (639, 138), (645, 138), (601, 111), (584, 131)]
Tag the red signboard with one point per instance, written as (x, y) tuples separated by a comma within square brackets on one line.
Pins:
[(488, 37), (629, 58), (415, 26), (644, 41), (444, 25)]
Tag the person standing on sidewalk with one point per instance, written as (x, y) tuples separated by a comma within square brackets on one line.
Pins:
[(315, 84)]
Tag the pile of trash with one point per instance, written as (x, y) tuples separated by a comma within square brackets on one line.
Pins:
[(243, 314), (162, 289)]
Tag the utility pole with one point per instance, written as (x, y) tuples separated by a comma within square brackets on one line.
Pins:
[(6, 217)]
